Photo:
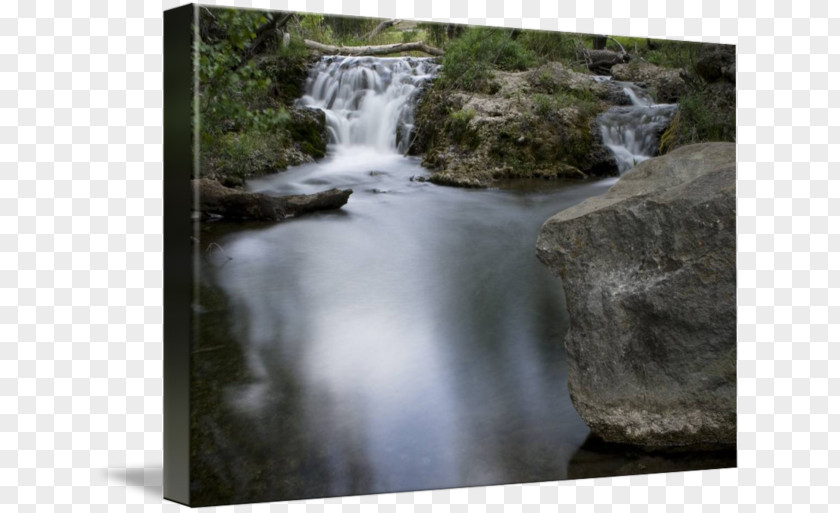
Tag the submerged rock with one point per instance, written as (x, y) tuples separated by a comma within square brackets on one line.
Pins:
[(649, 274)]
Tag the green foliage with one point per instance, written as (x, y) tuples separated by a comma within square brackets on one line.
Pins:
[(233, 88), (312, 26), (439, 34), (436, 33), (661, 52), (705, 115), (470, 59), (234, 156), (544, 104), (583, 101), (349, 27), (247, 78), (458, 126), (409, 36), (552, 46), (673, 54)]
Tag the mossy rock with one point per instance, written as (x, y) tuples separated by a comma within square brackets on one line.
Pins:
[(308, 130)]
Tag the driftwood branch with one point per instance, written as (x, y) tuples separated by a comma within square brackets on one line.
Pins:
[(417, 46), (619, 44), (385, 25), (216, 199)]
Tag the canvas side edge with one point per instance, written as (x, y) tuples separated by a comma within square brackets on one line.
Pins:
[(178, 161)]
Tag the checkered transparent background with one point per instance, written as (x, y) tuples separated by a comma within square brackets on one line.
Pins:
[(81, 268)]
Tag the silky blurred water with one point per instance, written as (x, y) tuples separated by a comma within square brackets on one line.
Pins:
[(410, 340), (419, 333), (633, 132)]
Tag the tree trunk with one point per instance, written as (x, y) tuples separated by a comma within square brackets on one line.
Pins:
[(216, 199), (417, 46)]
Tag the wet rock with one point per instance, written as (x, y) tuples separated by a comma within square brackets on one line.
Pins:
[(649, 275), (665, 84), (308, 130)]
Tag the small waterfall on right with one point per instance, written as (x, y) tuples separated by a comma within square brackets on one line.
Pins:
[(632, 132)]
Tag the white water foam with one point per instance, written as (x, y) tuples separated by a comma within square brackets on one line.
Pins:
[(369, 101), (632, 132)]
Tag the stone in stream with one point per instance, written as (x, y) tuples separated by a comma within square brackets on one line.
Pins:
[(218, 200), (648, 270)]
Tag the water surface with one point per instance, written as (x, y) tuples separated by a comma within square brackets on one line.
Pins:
[(410, 340), (420, 335)]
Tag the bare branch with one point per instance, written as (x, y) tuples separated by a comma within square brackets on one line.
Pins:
[(386, 24), (416, 46)]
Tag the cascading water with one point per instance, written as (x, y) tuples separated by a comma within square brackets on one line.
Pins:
[(632, 132), (369, 101)]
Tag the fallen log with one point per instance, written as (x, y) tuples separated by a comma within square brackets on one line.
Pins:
[(214, 199), (416, 46)]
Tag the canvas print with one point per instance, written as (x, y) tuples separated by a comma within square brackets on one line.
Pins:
[(406, 256)]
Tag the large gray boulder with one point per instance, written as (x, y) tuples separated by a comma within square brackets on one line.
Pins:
[(649, 274)]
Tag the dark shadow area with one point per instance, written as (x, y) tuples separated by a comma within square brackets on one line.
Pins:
[(597, 458), (150, 480)]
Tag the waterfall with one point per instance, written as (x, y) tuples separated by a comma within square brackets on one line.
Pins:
[(369, 101), (632, 132)]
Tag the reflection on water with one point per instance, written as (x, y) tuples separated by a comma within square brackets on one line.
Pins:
[(409, 341)]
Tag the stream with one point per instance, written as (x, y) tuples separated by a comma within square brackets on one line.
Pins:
[(410, 340)]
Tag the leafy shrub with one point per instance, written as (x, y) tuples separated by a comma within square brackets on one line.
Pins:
[(470, 59), (552, 46), (234, 156), (705, 115), (544, 104)]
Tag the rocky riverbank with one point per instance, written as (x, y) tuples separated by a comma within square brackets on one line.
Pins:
[(539, 124), (649, 275), (529, 124)]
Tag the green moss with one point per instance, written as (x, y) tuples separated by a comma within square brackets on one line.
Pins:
[(307, 131), (458, 128)]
